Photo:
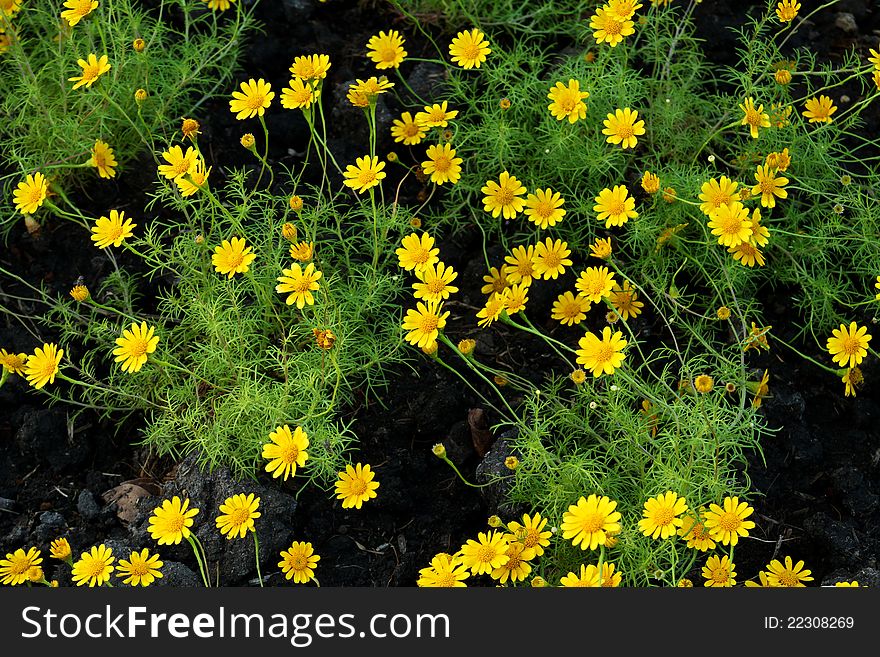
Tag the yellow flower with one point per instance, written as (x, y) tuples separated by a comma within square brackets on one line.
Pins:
[(590, 521), (232, 257), (847, 346), (134, 345), (819, 110), (769, 186), (747, 253), (516, 568), (14, 568), (362, 92), (221, 5), (487, 553), (424, 323), (608, 27), (719, 571), (417, 252), (445, 571), (531, 535), (503, 197), (355, 486), (406, 130), (9, 8), (237, 515), (595, 283), (141, 569), (779, 161), (195, 180), (42, 366), (615, 206), (366, 173), (310, 67), (300, 283), (650, 182), (170, 522), (30, 193), (296, 204), (601, 248), (695, 533), (728, 523), (491, 311), (94, 567), (520, 267), (298, 562), (723, 312), (623, 128), (442, 165), (601, 355), (190, 129), (762, 390), (112, 230), (625, 300), (704, 383), (466, 347), (435, 283), (517, 297), (92, 69), (731, 224), (782, 76), (754, 117), (623, 9), (787, 10), (386, 50), (570, 309), (437, 115), (299, 94), (790, 575), (551, 258), (179, 163), (588, 578), (286, 451), (324, 338), (253, 99), (715, 193), (469, 49), (544, 208), (496, 281), (303, 251), (13, 362), (60, 549), (138, 45), (567, 101), (103, 159)]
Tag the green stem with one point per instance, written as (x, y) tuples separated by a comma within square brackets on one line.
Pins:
[(257, 557), (197, 550)]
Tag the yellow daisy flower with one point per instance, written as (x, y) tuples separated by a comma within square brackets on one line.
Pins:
[(299, 283), (622, 127), (469, 49), (253, 99), (232, 257), (386, 49), (286, 451), (134, 346), (92, 69), (355, 486)]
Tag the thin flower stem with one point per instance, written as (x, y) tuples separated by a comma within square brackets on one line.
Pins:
[(198, 550), (257, 557)]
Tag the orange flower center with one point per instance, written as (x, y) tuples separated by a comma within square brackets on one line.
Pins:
[(359, 486), (729, 521), (486, 554), (624, 130), (240, 516), (138, 568), (290, 454), (137, 347), (663, 516), (616, 207), (604, 353), (504, 196), (442, 163), (593, 522)]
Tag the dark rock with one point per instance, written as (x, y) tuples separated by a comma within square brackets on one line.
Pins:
[(50, 527), (843, 545), (87, 505), (855, 491), (232, 558), (7, 505), (494, 472), (43, 437), (175, 573)]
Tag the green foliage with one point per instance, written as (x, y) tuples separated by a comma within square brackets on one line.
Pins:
[(189, 53)]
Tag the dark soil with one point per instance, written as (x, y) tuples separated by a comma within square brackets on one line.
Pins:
[(90, 481)]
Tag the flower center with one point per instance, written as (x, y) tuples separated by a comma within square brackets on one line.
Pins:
[(95, 567), (303, 284), (36, 194), (176, 523), (604, 353), (753, 118), (504, 196), (720, 575), (850, 346), (290, 455), (616, 208), (442, 163), (663, 517), (240, 516), (91, 72), (446, 579), (612, 26), (624, 130), (256, 101), (367, 177), (436, 286), (388, 54), (567, 104), (429, 324), (420, 255), (486, 554), (437, 116), (234, 259), (788, 578), (592, 522), (299, 562), (729, 522), (139, 568), (137, 347), (359, 486), (767, 186), (552, 260), (544, 209)]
